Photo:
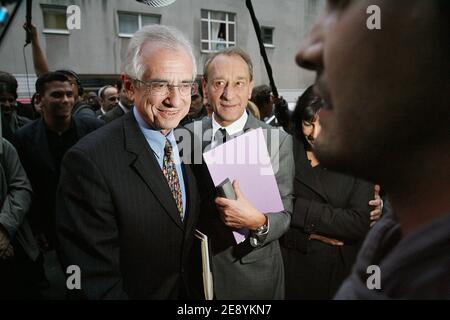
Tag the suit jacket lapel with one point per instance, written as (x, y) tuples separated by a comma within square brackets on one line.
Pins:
[(147, 167), (252, 123), (207, 134)]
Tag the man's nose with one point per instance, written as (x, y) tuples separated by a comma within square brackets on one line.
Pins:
[(174, 97), (310, 54), (66, 98), (228, 92)]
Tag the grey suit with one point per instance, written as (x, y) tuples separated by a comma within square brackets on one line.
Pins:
[(243, 271), (15, 200)]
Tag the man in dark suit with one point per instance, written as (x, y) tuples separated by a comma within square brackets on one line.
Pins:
[(123, 107), (127, 205), (252, 269), (41, 146), (109, 98)]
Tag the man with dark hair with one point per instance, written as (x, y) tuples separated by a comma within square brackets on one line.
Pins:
[(11, 121), (387, 120), (80, 109), (262, 97), (41, 146)]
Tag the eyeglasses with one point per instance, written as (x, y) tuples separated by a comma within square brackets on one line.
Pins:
[(162, 88)]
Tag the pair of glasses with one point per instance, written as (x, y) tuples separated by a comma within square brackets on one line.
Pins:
[(163, 88)]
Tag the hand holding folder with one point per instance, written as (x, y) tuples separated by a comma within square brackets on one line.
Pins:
[(246, 159)]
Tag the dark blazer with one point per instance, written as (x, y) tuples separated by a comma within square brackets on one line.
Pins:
[(112, 114), (335, 206), (117, 219), (32, 146), (243, 271)]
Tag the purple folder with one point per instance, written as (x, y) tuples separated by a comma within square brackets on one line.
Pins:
[(246, 159)]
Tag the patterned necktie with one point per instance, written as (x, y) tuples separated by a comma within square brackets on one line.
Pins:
[(170, 172)]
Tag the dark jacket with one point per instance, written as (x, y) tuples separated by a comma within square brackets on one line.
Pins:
[(118, 221), (112, 114), (413, 267), (33, 149), (332, 205)]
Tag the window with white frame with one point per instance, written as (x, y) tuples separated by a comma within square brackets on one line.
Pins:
[(218, 30), (267, 36), (129, 23), (55, 19)]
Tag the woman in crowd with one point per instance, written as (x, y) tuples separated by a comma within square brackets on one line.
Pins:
[(331, 215)]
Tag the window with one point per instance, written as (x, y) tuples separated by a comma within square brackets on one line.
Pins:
[(129, 23), (55, 19), (218, 30), (267, 36)]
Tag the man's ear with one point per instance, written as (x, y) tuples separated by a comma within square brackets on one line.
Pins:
[(38, 98), (205, 91), (129, 87), (250, 89)]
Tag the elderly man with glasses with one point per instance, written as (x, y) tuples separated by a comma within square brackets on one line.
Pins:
[(127, 205)]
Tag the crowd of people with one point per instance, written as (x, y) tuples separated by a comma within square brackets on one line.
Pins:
[(102, 181)]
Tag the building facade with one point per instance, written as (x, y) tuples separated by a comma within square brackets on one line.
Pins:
[(97, 48)]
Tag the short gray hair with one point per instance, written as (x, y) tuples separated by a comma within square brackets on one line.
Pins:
[(232, 51), (163, 37)]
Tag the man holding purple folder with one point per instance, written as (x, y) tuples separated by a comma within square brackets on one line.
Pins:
[(252, 269)]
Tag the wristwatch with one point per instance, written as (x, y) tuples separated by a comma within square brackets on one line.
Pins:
[(258, 235), (261, 230)]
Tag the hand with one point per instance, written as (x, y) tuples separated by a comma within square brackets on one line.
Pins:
[(377, 203), (4, 240), (326, 240), (239, 213), (8, 253), (32, 30)]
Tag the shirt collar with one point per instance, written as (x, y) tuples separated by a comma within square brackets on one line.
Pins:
[(232, 129), (154, 137)]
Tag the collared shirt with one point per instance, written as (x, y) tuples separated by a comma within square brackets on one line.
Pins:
[(156, 140), (124, 109), (256, 239), (232, 130)]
